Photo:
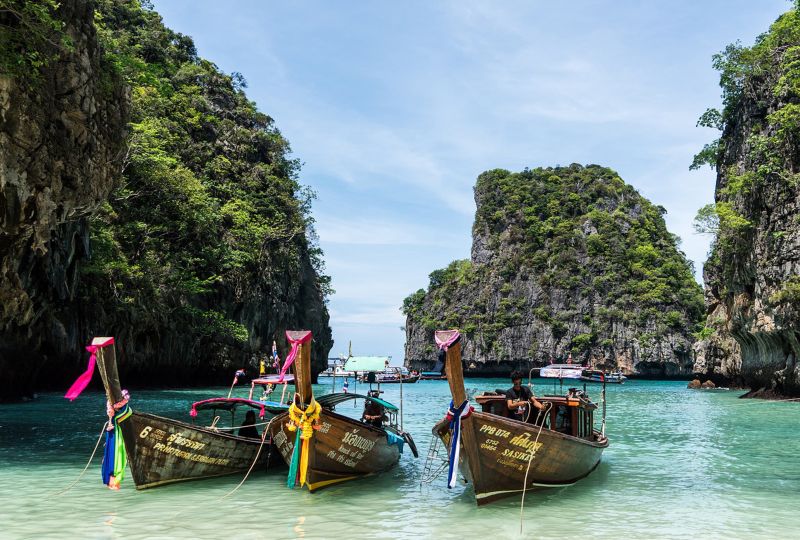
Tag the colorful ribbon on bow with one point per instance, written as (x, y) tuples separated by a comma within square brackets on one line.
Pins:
[(114, 458), (444, 345), (304, 422), (293, 353), (86, 377), (454, 416)]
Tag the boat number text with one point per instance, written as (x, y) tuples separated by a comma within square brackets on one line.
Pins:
[(510, 457), (178, 446), (495, 432), (352, 450)]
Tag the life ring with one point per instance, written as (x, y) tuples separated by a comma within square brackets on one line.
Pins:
[(410, 442)]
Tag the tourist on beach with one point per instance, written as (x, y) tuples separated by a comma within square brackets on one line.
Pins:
[(518, 398)]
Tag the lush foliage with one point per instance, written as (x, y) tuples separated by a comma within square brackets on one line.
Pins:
[(760, 125), (580, 230), (210, 207), (31, 36)]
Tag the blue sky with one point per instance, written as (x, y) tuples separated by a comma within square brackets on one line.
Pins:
[(396, 107)]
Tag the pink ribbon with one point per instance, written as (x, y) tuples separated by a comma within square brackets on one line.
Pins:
[(83, 381), (445, 344), (293, 353)]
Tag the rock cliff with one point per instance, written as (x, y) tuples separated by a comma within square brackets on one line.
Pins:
[(62, 131), (565, 260), (144, 196), (753, 272)]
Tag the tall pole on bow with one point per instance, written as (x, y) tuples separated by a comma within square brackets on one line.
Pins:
[(302, 366), (107, 366), (455, 378)]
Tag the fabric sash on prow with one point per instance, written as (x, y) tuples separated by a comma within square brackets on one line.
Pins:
[(300, 342), (107, 366)]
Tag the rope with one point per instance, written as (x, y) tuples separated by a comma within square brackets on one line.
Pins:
[(247, 474), (96, 446), (232, 428), (527, 470), (260, 446)]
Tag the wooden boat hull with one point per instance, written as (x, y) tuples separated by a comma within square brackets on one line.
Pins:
[(502, 453), (342, 449), (163, 451)]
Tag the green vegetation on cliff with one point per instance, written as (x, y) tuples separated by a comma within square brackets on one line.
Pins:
[(210, 209), (761, 116), (752, 274), (31, 37), (588, 249)]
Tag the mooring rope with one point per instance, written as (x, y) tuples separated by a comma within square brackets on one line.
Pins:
[(255, 460), (232, 428), (258, 453), (96, 446), (530, 460)]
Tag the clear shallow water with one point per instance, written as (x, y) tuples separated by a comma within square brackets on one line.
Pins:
[(681, 464)]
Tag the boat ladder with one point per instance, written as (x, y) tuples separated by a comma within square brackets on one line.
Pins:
[(435, 463)]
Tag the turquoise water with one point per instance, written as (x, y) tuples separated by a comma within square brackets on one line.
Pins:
[(681, 463)]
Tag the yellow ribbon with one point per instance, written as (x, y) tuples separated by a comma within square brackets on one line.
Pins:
[(307, 420)]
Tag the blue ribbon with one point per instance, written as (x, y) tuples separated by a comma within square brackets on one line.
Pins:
[(107, 468), (391, 438), (455, 439)]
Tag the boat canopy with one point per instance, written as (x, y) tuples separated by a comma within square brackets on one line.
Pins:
[(273, 379), (331, 400), (229, 404), (366, 363)]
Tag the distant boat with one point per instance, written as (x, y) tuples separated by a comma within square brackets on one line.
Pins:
[(596, 375), (432, 376), (392, 378), (323, 447), (390, 375), (436, 374), (503, 456), (561, 371), (336, 371), (163, 451)]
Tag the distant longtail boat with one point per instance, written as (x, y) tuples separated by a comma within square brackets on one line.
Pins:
[(323, 447), (502, 456)]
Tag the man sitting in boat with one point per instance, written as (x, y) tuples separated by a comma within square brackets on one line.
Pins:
[(248, 428), (374, 413), (519, 397)]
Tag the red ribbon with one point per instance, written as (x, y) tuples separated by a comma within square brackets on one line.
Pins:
[(83, 381), (293, 352)]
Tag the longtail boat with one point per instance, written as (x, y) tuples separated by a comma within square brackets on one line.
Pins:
[(162, 450), (598, 376), (391, 375), (503, 456), (561, 371), (323, 447)]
